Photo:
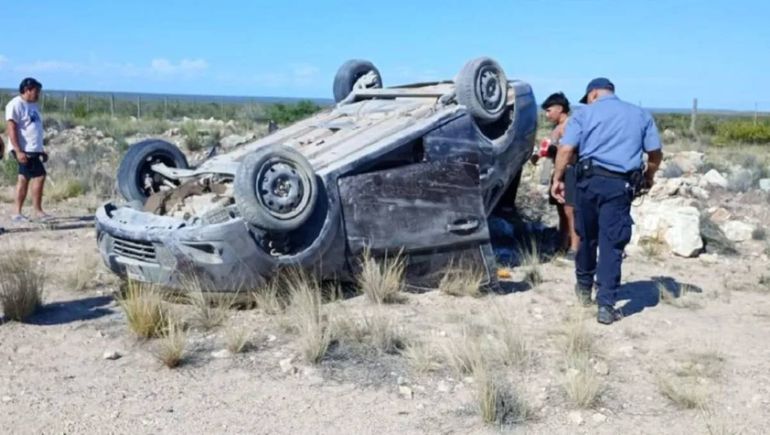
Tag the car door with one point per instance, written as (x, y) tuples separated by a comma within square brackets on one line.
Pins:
[(431, 211)]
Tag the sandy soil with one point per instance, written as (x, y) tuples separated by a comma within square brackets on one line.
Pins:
[(54, 379)]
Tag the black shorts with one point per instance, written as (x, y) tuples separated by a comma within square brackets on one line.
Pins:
[(34, 167)]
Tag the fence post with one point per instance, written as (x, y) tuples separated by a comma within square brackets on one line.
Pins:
[(755, 113), (64, 104), (112, 105), (694, 115), (139, 107), (165, 107)]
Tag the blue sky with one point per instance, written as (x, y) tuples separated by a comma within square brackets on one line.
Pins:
[(660, 53)]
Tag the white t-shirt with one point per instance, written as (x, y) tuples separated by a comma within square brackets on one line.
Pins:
[(29, 123)]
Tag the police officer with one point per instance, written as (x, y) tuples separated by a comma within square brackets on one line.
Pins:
[(610, 137)]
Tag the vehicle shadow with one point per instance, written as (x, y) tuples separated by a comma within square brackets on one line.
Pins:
[(643, 294), (58, 224), (58, 313)]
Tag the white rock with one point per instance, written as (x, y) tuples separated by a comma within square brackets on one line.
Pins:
[(599, 418), (233, 140), (286, 365), (709, 258), (720, 215), (677, 226), (111, 355), (405, 392), (737, 231), (689, 161), (7, 399), (224, 353), (699, 192), (402, 381), (271, 338), (443, 387), (714, 178), (764, 184), (576, 417), (602, 368)]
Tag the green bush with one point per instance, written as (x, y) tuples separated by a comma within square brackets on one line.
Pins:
[(9, 170), (288, 113), (742, 131)]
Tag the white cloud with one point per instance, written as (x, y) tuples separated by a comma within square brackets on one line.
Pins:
[(185, 66), (3, 60), (42, 66)]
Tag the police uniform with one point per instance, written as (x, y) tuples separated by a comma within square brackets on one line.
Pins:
[(610, 137)]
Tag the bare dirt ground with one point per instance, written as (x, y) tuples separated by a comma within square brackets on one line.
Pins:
[(54, 377)]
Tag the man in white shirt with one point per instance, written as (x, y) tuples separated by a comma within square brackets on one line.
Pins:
[(25, 131)]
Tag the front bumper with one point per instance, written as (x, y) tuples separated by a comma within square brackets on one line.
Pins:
[(167, 251)]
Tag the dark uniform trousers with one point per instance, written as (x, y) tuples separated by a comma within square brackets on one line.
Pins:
[(603, 221)]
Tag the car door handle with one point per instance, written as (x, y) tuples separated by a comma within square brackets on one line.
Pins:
[(461, 226)]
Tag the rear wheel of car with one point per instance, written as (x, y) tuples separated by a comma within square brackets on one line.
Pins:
[(349, 74), (482, 88), (276, 188), (136, 179)]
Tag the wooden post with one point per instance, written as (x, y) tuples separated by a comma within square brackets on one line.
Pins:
[(112, 105), (165, 107), (755, 113), (64, 105), (694, 116), (139, 107)]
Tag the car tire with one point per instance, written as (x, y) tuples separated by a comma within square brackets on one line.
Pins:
[(270, 168), (135, 166), (349, 73), (481, 86)]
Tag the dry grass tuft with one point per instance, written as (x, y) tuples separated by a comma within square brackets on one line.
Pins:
[(516, 351), (582, 385), (210, 310), (83, 272), (21, 284), (376, 331), (172, 345), (382, 282), (66, 188), (237, 339), (422, 357), (682, 297), (144, 310), (498, 403), (269, 298), (464, 354), (652, 248), (305, 316), (530, 261), (462, 281), (685, 393)]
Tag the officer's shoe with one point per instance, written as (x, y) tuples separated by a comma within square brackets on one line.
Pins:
[(583, 294), (607, 314)]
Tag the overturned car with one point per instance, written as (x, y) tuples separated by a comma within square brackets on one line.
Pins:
[(416, 169)]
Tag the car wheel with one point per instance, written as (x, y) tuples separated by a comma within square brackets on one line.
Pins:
[(349, 74), (482, 88), (136, 179), (275, 188)]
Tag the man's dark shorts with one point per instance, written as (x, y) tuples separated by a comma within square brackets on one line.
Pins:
[(34, 167)]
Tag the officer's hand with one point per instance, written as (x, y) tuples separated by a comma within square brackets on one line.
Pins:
[(557, 191), (21, 157), (649, 180)]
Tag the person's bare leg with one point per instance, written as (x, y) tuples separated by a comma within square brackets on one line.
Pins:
[(563, 228), (37, 195), (21, 193), (574, 239)]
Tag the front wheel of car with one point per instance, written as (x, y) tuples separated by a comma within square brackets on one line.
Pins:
[(136, 178), (276, 189), (481, 86), (355, 74)]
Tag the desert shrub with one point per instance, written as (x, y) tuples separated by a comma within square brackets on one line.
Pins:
[(288, 113), (70, 187), (192, 137), (172, 345), (743, 131), (9, 171), (21, 284), (462, 281)]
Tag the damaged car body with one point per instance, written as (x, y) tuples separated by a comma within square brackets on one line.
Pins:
[(414, 169)]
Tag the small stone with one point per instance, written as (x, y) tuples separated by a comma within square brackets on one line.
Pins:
[(271, 338), (405, 392), (402, 381), (286, 365), (764, 184), (420, 406), (224, 353), (468, 379), (599, 418), (720, 215), (709, 258), (111, 355), (443, 387), (714, 178), (7, 399), (576, 417), (602, 368), (737, 231)]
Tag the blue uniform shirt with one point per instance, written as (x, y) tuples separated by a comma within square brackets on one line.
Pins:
[(612, 133)]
